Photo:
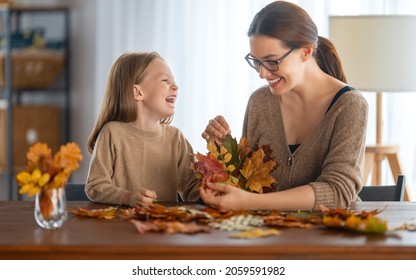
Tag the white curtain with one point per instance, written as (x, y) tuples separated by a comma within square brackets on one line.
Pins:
[(398, 112), (204, 42)]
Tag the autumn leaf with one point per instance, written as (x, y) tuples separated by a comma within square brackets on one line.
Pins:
[(231, 146), (105, 213), (209, 169), (244, 148), (40, 157), (255, 233), (68, 157), (168, 227), (236, 164), (257, 172), (363, 221), (406, 226), (213, 149)]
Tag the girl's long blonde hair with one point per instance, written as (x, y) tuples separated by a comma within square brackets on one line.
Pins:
[(119, 103)]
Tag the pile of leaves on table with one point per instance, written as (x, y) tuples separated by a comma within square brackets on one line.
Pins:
[(191, 219)]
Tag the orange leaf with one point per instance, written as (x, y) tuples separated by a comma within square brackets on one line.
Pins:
[(106, 213), (244, 148), (168, 227)]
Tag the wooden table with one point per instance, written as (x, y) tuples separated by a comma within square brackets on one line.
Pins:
[(84, 238)]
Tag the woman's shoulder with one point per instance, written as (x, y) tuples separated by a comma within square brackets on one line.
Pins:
[(262, 92), (262, 95), (354, 97)]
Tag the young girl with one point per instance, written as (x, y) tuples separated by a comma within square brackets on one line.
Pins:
[(137, 157)]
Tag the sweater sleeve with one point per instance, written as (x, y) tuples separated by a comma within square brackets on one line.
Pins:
[(341, 177), (188, 185), (100, 187)]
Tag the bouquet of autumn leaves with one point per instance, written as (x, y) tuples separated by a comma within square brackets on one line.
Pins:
[(236, 164), (46, 171)]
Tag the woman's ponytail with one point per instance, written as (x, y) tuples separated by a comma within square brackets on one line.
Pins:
[(328, 59)]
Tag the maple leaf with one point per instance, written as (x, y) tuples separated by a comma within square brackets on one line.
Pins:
[(209, 169), (257, 172), (236, 164)]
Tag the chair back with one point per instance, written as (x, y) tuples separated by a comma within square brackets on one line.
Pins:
[(76, 192), (384, 193)]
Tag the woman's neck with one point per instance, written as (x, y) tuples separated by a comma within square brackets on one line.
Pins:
[(317, 85)]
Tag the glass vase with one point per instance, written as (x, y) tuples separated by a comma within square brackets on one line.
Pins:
[(50, 208)]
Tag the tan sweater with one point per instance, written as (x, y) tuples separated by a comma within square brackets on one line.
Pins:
[(330, 159), (126, 159)]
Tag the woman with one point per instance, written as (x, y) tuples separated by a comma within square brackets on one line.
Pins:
[(314, 123)]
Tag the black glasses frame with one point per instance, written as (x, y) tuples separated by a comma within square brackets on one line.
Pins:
[(255, 63)]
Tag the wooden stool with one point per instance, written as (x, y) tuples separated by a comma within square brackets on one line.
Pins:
[(374, 156)]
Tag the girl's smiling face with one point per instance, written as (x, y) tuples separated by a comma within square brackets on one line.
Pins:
[(159, 91)]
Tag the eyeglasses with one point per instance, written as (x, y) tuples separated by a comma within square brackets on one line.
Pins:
[(269, 65)]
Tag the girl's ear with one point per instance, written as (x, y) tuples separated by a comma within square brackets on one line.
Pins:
[(137, 91)]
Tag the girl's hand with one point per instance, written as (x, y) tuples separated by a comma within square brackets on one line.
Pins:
[(142, 198), (216, 129), (224, 197)]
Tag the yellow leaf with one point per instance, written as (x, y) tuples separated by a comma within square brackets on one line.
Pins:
[(212, 148), (223, 150), (255, 233), (231, 168), (257, 172), (227, 157)]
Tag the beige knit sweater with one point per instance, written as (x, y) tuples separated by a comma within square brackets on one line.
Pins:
[(126, 159), (330, 159)]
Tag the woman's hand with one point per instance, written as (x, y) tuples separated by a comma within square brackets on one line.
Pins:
[(142, 198), (224, 197), (216, 129)]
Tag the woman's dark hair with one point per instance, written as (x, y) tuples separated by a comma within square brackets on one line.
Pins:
[(293, 26)]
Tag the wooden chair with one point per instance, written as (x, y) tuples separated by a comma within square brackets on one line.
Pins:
[(76, 192), (384, 193)]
